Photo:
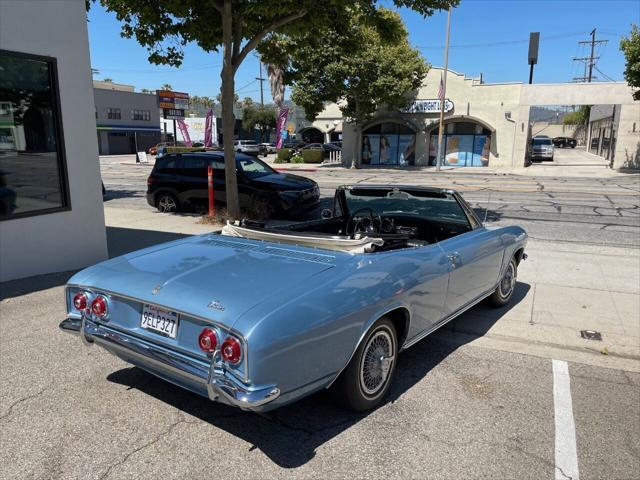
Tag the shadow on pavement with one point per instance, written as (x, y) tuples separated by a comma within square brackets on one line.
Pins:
[(25, 286), (124, 240), (290, 435)]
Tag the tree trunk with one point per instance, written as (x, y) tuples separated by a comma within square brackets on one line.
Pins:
[(228, 119)]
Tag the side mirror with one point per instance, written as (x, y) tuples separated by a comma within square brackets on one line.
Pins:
[(326, 214)]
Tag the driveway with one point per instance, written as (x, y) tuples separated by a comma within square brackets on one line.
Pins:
[(577, 157)]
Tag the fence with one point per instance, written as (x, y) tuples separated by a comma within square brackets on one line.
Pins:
[(334, 157)]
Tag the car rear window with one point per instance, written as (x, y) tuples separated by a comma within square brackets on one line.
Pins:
[(542, 141)]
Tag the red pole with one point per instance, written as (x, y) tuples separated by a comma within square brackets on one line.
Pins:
[(212, 210)]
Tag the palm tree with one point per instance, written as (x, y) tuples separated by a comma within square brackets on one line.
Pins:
[(166, 86)]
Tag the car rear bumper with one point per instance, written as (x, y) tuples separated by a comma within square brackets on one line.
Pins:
[(205, 378)]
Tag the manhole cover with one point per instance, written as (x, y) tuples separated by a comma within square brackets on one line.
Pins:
[(591, 335)]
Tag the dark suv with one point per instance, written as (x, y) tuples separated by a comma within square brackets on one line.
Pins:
[(178, 181)]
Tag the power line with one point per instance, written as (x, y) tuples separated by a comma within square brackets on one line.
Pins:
[(501, 43), (590, 61), (604, 74)]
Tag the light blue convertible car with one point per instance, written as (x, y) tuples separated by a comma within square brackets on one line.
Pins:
[(258, 317)]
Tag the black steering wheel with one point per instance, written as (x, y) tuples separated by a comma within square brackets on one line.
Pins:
[(358, 223)]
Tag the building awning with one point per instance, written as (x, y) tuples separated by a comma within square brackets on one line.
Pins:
[(128, 127)]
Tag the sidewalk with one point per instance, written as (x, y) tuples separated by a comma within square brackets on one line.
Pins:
[(563, 289)]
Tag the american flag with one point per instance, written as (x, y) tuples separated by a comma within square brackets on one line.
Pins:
[(441, 90)]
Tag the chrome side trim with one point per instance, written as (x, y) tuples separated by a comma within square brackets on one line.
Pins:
[(231, 331), (446, 320)]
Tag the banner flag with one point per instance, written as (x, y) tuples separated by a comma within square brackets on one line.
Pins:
[(185, 133), (281, 131), (208, 127)]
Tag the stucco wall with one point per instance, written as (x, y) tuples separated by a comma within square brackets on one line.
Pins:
[(75, 238)]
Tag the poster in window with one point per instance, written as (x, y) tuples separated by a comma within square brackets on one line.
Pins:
[(407, 149), (459, 150), (433, 149), (388, 149), (370, 149), (478, 147)]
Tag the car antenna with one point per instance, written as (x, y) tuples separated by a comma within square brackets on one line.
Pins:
[(486, 209)]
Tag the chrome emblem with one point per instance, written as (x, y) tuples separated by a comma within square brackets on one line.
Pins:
[(156, 289), (216, 305)]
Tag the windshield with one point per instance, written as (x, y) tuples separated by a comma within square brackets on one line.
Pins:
[(417, 203), (253, 168), (542, 141)]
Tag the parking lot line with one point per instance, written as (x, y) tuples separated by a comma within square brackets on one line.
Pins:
[(566, 451)]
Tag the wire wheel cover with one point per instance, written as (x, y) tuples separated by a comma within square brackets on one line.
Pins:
[(376, 363)]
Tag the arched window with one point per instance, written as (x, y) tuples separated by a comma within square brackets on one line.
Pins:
[(388, 144), (465, 144)]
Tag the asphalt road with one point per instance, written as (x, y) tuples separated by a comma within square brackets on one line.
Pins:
[(454, 412), (599, 210), (457, 410)]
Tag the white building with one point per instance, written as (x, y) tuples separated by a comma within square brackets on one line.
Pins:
[(51, 215)]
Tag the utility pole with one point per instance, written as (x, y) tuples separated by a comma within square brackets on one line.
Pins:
[(590, 61), (261, 79), (444, 91)]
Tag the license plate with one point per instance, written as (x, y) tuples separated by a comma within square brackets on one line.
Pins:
[(159, 320)]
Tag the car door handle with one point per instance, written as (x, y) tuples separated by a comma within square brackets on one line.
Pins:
[(454, 259)]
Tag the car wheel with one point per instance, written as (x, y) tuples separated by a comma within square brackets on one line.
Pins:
[(504, 291), (167, 203), (366, 380)]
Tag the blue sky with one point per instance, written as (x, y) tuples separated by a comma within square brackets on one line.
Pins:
[(487, 36)]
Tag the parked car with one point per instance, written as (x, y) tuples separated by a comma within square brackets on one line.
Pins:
[(179, 181), (248, 147), (325, 147), (154, 150), (562, 142), (267, 148), (260, 317), (541, 148), (295, 144)]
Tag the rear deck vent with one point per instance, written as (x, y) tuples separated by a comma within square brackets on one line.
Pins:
[(280, 252)]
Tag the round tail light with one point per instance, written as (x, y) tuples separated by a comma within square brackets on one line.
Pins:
[(80, 301), (207, 340), (99, 306), (231, 350)]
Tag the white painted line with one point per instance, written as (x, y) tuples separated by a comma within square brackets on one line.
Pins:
[(566, 450)]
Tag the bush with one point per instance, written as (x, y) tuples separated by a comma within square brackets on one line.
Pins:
[(311, 156), (297, 159), (284, 155)]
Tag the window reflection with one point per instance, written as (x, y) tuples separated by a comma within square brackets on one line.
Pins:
[(30, 163)]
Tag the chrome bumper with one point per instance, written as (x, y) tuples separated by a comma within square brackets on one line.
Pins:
[(219, 386)]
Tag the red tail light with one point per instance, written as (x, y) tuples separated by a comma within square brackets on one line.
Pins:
[(231, 350), (80, 301), (207, 340), (149, 180), (99, 306)]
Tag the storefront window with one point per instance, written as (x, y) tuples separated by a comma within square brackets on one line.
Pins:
[(465, 144), (388, 144), (32, 168)]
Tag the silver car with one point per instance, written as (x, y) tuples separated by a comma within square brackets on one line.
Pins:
[(249, 147)]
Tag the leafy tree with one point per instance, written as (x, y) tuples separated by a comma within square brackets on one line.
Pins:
[(630, 46), (166, 86), (237, 27), (145, 90), (364, 64), (579, 117), (261, 118)]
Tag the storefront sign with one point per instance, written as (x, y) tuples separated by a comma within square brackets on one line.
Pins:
[(172, 113), (427, 106)]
